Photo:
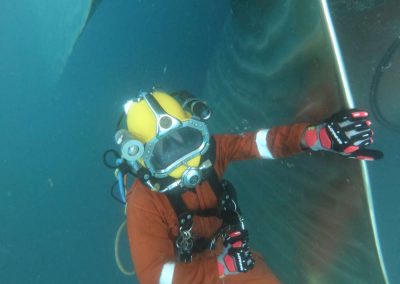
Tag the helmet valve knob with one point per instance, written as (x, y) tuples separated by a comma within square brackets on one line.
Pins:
[(131, 149), (191, 177)]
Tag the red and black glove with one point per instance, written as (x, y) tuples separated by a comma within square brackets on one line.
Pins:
[(236, 256), (347, 133)]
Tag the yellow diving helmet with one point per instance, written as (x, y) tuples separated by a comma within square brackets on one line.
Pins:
[(172, 137)]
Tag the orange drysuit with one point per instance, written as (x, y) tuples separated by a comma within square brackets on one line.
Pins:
[(153, 225)]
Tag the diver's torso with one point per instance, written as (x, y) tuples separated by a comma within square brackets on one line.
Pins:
[(200, 198)]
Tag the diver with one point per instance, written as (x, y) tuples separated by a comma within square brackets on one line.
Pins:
[(184, 221)]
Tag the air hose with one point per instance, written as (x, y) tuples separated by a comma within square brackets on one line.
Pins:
[(383, 65), (116, 251), (122, 182), (120, 174)]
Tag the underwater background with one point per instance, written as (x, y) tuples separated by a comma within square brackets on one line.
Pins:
[(67, 67)]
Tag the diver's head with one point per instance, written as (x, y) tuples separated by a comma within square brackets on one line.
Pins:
[(173, 138)]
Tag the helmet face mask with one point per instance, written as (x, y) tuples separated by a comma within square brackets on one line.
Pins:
[(165, 153), (173, 139)]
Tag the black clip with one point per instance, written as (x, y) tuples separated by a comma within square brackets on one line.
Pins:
[(184, 242)]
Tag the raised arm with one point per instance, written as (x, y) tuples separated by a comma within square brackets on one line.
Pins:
[(347, 133), (276, 142)]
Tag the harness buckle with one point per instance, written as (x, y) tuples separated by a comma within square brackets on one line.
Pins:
[(184, 241)]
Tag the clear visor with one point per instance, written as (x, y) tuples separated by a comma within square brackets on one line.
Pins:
[(174, 146)]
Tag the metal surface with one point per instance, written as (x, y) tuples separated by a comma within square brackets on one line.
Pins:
[(350, 103), (311, 215), (368, 32)]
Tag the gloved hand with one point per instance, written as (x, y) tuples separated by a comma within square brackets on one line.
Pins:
[(347, 133), (236, 256)]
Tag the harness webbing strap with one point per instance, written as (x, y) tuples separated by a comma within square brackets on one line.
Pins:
[(175, 198), (215, 184), (184, 241), (224, 191)]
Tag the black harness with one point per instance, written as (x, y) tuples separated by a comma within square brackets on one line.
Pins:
[(227, 210), (227, 207)]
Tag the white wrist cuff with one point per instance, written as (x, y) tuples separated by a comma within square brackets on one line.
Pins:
[(262, 146)]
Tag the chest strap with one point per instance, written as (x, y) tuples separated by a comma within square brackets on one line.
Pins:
[(227, 210)]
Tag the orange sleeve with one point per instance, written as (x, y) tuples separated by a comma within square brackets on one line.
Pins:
[(285, 141), (234, 147), (148, 239), (281, 141), (152, 244)]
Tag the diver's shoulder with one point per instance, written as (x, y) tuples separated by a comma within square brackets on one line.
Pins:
[(141, 197), (222, 138)]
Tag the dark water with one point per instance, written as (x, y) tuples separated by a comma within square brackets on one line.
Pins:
[(58, 221)]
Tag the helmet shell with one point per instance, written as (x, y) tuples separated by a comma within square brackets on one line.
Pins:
[(142, 123)]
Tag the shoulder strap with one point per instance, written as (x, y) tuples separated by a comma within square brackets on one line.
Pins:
[(211, 176), (175, 198), (184, 241), (215, 183), (181, 210)]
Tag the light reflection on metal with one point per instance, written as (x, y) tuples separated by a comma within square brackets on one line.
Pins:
[(338, 55), (350, 103)]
